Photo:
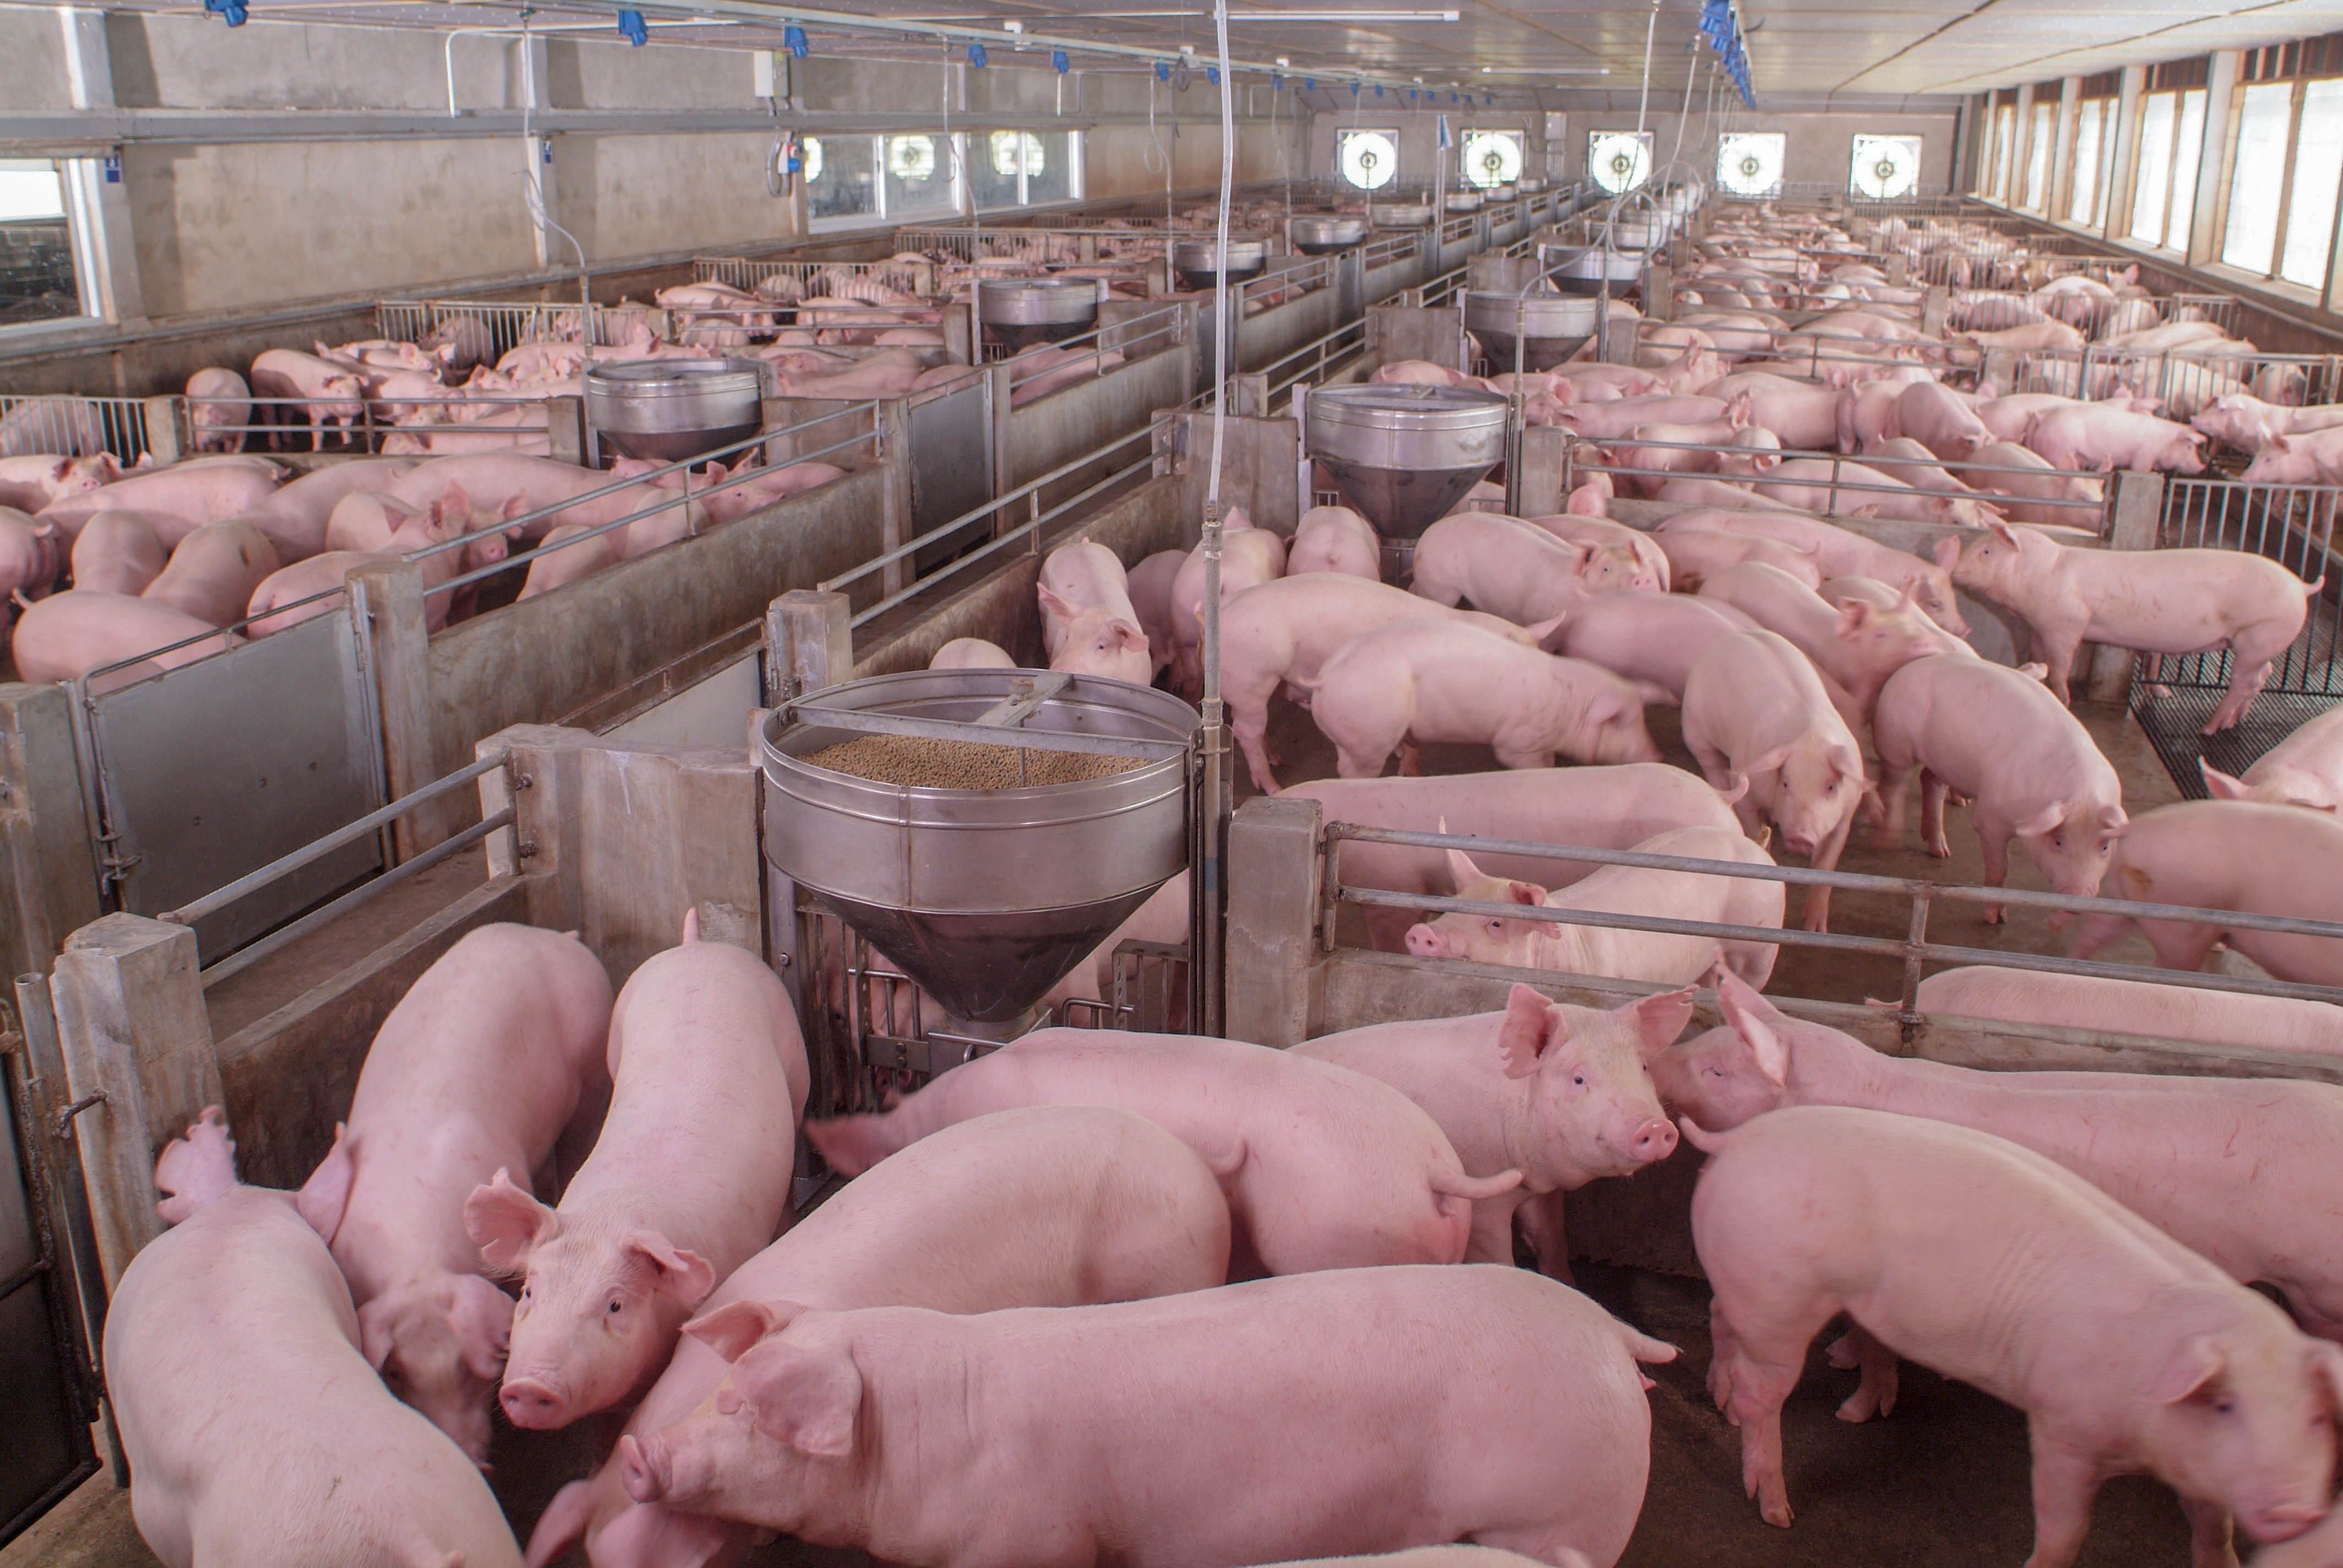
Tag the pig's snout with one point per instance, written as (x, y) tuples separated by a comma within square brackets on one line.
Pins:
[(1425, 943), (534, 1404), (2282, 1521), (1654, 1140), (643, 1468)]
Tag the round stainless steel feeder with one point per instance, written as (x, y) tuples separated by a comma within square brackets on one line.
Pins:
[(1637, 234), (1586, 271), (987, 898), (1505, 191), (1023, 311), (1553, 326), (1399, 215), (670, 410), (1531, 185), (1462, 202), (1322, 236), (1197, 261), (1405, 453)]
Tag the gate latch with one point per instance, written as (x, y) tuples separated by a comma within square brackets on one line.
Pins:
[(65, 1116)]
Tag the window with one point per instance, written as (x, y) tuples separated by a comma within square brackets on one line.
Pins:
[(2188, 158), (2037, 158), (901, 177), (2151, 192), (38, 279), (1052, 167), (2317, 165), (1750, 163), (1885, 167), (1369, 160), (2251, 238), (1619, 160), (839, 177), (2004, 149), (919, 176), (2086, 179), (1490, 158), (1019, 169)]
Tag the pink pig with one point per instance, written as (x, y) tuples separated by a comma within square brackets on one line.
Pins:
[(971, 653), (703, 1037), (2157, 601), (1695, 555), (2099, 1003), (1857, 645), (29, 555), (177, 500), (1940, 420), (1991, 1264), (1840, 552), (219, 1329), (1044, 1206), (1335, 539), (2094, 435), (1323, 1168), (30, 483), (1506, 568), (219, 405), (1506, 1409), (1428, 681), (212, 571), (1558, 1093), (1249, 557), (68, 635), (2306, 768), (1649, 640), (119, 552), (1087, 622), (1150, 585), (479, 1067), (1593, 530)]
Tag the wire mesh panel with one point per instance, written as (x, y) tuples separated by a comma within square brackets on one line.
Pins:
[(2173, 697), (72, 426), (511, 324)]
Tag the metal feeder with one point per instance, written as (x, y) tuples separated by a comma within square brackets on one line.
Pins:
[(1403, 454), (667, 410), (1531, 331), (1457, 202), (1401, 215), (1020, 312), (1198, 264), (1324, 236), (986, 898)]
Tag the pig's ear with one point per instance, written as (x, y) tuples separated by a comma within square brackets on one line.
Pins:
[(375, 1328), (2005, 533), (2195, 1363), (2277, 443), (1129, 635), (1532, 1024), (2042, 821), (1462, 871), (2223, 786), (1756, 1020), (1659, 1019), (324, 1196), (482, 1319), (60, 469), (1546, 628), (1053, 605), (2327, 1364), (506, 1222), (732, 1328), (805, 1399), (1948, 552), (1853, 616), (668, 1268)]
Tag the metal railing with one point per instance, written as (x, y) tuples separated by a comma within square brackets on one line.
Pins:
[(375, 423), (1914, 950), (72, 426), (1134, 337), (751, 274), (512, 323)]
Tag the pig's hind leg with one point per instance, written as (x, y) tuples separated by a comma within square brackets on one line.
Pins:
[(1876, 1395), (1759, 1331)]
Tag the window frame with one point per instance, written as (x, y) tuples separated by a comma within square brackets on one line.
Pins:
[(1343, 133), (954, 149), (78, 184)]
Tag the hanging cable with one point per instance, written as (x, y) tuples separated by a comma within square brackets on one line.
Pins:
[(532, 187), (1643, 102), (1213, 802)]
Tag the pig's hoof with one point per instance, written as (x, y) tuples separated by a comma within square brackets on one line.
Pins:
[(1940, 849), (1814, 922), (1995, 915), (1776, 1512)]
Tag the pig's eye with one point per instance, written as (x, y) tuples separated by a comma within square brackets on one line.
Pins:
[(1578, 1079), (1497, 927), (614, 1305), (2225, 1405)]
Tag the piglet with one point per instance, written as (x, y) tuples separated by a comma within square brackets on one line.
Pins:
[(219, 405), (480, 1067), (2306, 768), (1335, 539), (1046, 1206), (2091, 435), (1087, 625), (253, 1430), (1991, 1264), (1594, 530), (703, 1038), (1504, 567), (1323, 1168), (971, 653), (30, 483)]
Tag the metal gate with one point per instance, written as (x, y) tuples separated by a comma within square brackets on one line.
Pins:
[(951, 467), (201, 774), (2172, 698)]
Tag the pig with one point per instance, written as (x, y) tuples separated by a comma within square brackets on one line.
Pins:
[(480, 1067), (1281, 633), (1335, 539), (1150, 585), (704, 1035), (1998, 736), (1507, 569), (2096, 436), (68, 635), (1649, 640), (1992, 1265), (321, 391), (2029, 334), (218, 1330), (554, 493), (1043, 1206), (1056, 369), (1421, 373), (1757, 719), (1427, 682), (1440, 1557), (1558, 1093), (1855, 646), (1616, 421), (1594, 531), (1657, 958), (1512, 1412), (1857, 489), (971, 653), (1646, 455), (1323, 1168), (1941, 420), (744, 489), (1840, 592), (30, 483), (1867, 413), (2034, 493), (1087, 622), (1695, 555), (570, 552), (1603, 808), (118, 552), (1902, 458), (219, 405), (1249, 557), (293, 594), (2216, 854), (29, 555), (2157, 601), (1805, 415), (2247, 422), (296, 515), (2306, 457), (213, 572), (1719, 491), (2306, 768), (2099, 1003), (1842, 552), (177, 500), (2012, 415)]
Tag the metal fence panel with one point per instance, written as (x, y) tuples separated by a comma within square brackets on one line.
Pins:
[(73, 427), (951, 465), (47, 1445), (218, 768)]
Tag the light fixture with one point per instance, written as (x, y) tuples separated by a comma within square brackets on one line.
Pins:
[(1012, 25), (1545, 71), (1283, 64), (1235, 17)]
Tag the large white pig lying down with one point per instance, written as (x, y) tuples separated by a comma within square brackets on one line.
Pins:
[(1087, 624), (254, 1431), (2098, 1002), (1507, 1409), (1990, 1263), (1658, 958), (2156, 601), (1323, 1168), (2306, 768), (1047, 1206)]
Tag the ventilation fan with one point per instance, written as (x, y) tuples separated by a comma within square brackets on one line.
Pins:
[(912, 158), (812, 159), (1750, 165), (1370, 160), (1491, 159), (1885, 167), (1619, 161)]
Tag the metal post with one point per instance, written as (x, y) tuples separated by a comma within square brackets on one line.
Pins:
[(2135, 518)]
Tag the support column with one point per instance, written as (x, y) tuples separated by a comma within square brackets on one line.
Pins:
[(1544, 449), (2136, 510), (1274, 897), (2211, 214), (387, 607), (48, 880), (102, 210), (896, 526), (809, 644), (2123, 175)]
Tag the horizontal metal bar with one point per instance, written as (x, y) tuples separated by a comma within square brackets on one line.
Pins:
[(874, 722), (1016, 709), (244, 957), (188, 914)]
